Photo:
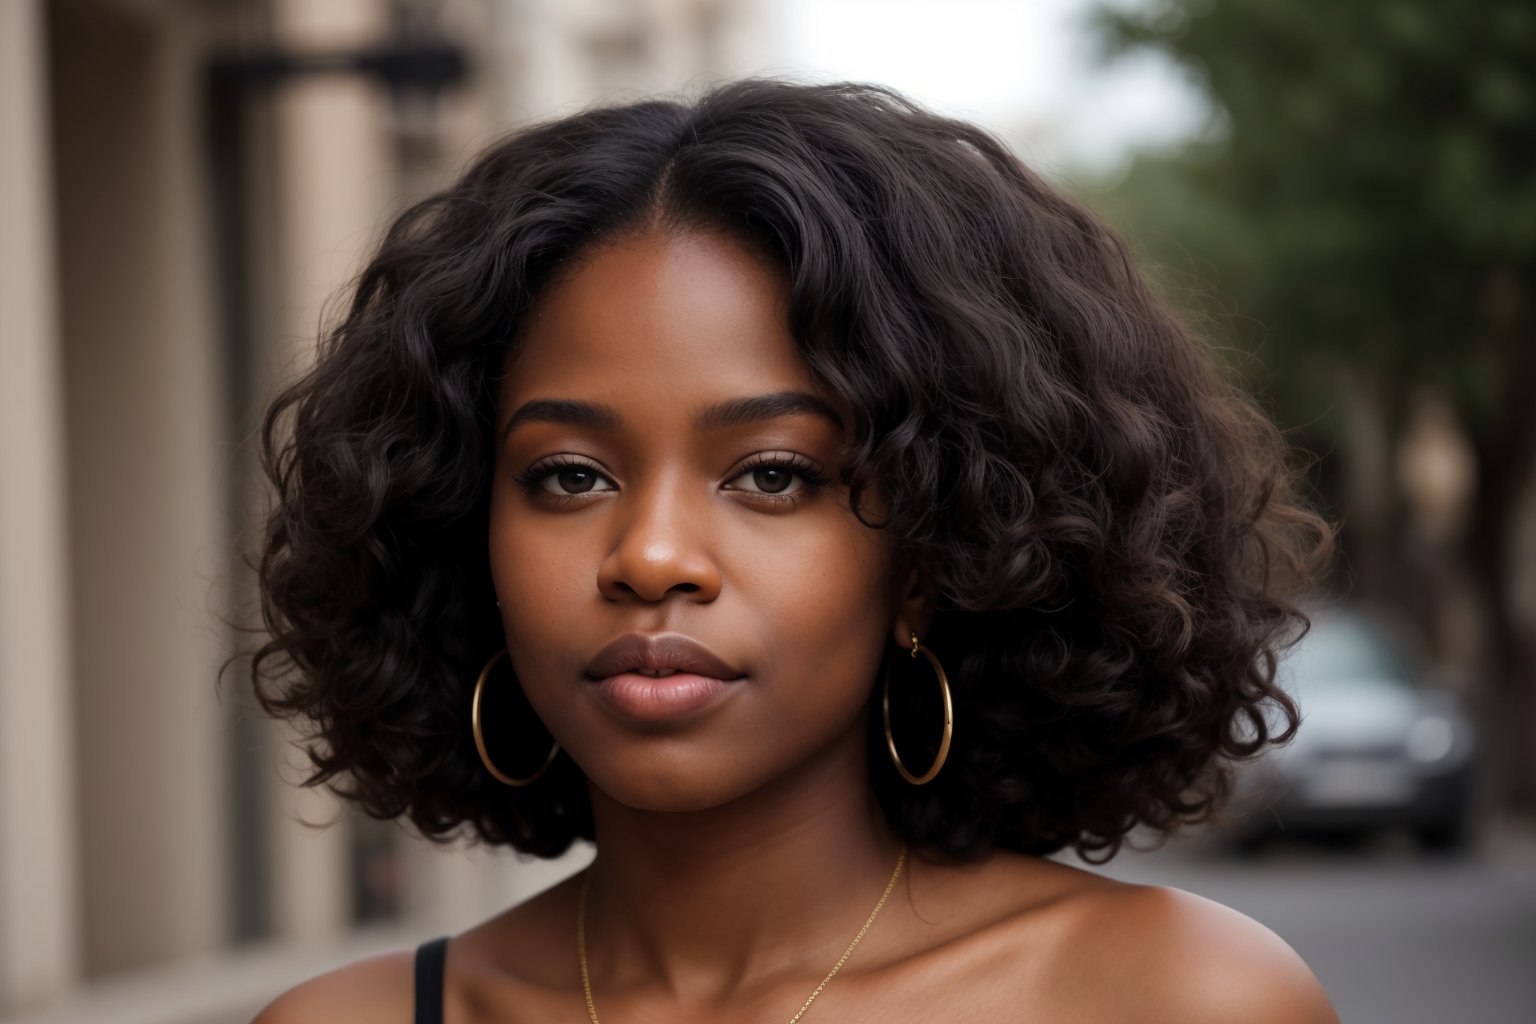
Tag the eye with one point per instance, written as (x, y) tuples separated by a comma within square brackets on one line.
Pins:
[(771, 478), (777, 477), (565, 478)]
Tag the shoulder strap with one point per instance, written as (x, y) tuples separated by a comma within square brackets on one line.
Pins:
[(430, 958)]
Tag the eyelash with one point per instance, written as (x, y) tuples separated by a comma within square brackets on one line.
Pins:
[(533, 478)]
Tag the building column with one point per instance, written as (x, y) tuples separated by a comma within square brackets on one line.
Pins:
[(147, 530), (39, 932), (335, 175)]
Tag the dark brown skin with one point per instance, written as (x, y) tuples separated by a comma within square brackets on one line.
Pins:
[(740, 847)]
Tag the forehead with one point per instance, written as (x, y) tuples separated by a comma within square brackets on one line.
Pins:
[(660, 315)]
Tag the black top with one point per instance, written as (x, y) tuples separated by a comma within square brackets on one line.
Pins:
[(430, 957)]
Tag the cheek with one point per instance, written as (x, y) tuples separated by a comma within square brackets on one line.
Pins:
[(823, 599), (537, 582)]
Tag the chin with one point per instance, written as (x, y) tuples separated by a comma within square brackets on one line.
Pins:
[(668, 786)]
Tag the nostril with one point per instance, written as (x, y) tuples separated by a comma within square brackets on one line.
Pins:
[(652, 584), (686, 588)]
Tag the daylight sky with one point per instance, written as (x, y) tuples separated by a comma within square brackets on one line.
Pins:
[(1023, 68)]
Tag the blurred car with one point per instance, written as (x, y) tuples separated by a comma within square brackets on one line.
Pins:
[(1381, 746)]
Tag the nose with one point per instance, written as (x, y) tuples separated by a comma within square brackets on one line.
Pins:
[(662, 548)]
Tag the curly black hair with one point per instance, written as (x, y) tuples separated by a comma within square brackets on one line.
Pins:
[(1113, 531)]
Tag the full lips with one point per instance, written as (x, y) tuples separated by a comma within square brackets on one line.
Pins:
[(650, 699)]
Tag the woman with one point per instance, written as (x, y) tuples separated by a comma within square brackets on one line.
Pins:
[(795, 496)]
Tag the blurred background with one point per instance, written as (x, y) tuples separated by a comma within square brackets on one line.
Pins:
[(1339, 194)]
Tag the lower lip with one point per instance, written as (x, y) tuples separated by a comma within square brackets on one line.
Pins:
[(651, 699)]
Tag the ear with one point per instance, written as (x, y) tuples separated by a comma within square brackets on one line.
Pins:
[(916, 601)]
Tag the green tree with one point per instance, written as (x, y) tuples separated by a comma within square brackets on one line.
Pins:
[(1366, 212)]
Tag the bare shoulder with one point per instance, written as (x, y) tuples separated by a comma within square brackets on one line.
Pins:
[(1058, 942), (1178, 956), (380, 989)]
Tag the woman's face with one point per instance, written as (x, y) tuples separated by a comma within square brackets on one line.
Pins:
[(666, 471)]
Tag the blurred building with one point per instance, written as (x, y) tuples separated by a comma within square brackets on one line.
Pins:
[(184, 185)]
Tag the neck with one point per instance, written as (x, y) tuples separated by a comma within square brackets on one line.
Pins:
[(706, 901)]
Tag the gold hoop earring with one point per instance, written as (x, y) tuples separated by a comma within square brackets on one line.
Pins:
[(474, 722), (949, 719)]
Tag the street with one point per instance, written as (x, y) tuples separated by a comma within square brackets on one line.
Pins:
[(1396, 937)]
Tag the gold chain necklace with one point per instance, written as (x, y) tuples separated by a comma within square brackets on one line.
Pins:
[(586, 980)]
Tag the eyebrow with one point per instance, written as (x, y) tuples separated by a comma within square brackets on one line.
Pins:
[(732, 412)]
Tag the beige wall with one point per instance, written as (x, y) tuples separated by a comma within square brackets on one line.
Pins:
[(551, 57)]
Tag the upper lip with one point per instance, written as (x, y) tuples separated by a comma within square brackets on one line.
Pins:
[(639, 652)]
